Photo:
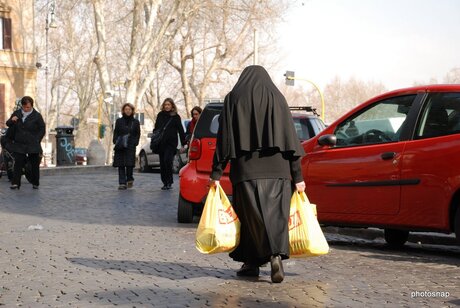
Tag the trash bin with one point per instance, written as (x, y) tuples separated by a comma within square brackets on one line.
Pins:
[(65, 146)]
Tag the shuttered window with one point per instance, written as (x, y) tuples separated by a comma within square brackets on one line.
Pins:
[(6, 33)]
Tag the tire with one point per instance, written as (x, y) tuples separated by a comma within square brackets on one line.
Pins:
[(457, 225), (184, 211), (143, 163), (396, 238)]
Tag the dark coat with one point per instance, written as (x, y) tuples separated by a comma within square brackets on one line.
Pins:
[(123, 126), (174, 127), (26, 136)]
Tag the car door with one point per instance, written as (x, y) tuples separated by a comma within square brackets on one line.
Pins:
[(433, 158), (361, 174)]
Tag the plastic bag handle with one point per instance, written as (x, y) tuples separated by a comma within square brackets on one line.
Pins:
[(303, 196)]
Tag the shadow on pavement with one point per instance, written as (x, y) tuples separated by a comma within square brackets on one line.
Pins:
[(407, 253), (169, 270)]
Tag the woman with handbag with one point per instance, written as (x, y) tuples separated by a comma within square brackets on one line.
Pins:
[(256, 133), (26, 130), (170, 123), (125, 138)]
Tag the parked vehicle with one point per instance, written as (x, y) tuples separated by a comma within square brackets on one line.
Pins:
[(149, 160), (393, 162), (194, 177), (81, 156)]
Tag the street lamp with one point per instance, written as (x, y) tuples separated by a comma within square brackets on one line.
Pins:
[(290, 77), (50, 23)]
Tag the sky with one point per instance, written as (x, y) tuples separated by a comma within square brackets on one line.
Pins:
[(396, 42)]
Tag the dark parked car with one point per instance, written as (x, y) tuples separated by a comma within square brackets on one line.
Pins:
[(194, 177), (393, 163)]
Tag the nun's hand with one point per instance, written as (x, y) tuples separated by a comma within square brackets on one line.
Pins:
[(300, 186), (213, 183)]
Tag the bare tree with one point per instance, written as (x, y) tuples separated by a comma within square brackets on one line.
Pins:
[(152, 26), (217, 41)]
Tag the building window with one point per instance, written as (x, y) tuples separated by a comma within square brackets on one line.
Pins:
[(5, 30)]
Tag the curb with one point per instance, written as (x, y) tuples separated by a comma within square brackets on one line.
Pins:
[(64, 170), (414, 237)]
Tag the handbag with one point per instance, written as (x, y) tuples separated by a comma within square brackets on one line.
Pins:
[(306, 239), (122, 142), (157, 136), (219, 227)]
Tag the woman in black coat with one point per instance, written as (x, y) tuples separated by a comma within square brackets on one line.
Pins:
[(26, 130), (169, 119), (125, 158), (256, 133)]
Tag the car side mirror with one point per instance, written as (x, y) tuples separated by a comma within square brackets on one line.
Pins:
[(327, 140)]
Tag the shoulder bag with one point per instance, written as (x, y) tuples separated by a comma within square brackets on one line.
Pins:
[(122, 141), (157, 136)]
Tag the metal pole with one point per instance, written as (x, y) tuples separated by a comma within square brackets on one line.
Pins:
[(256, 47), (46, 90)]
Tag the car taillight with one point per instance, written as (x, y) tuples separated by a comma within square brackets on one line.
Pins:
[(195, 149)]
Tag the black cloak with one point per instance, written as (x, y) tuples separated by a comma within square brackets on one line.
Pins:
[(256, 117)]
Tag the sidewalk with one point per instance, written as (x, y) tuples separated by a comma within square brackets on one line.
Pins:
[(63, 170)]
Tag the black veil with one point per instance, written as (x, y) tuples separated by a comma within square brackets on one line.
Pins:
[(256, 117)]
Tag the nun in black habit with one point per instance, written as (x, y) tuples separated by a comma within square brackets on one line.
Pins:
[(257, 135)]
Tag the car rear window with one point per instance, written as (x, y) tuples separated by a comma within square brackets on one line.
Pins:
[(208, 123)]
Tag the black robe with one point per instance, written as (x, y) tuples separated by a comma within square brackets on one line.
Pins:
[(256, 133)]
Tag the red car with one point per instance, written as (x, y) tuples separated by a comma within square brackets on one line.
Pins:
[(194, 177), (393, 162)]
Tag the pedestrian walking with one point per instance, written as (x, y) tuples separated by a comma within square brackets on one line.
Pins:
[(125, 138), (257, 135), (196, 112), (26, 130), (169, 121)]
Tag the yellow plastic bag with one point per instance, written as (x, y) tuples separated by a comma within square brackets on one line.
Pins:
[(306, 239), (219, 227)]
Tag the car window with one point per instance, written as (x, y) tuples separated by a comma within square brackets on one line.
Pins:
[(380, 123), (440, 117), (208, 123), (302, 128)]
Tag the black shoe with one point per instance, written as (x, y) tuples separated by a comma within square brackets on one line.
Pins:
[(35, 186), (14, 186), (165, 187), (248, 270), (130, 184), (168, 187), (277, 273), (121, 187)]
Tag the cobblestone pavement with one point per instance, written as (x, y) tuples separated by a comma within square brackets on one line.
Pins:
[(102, 247)]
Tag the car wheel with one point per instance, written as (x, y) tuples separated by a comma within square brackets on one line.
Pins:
[(143, 163), (457, 225), (184, 211), (396, 238)]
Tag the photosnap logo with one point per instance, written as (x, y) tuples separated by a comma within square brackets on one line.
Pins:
[(428, 294)]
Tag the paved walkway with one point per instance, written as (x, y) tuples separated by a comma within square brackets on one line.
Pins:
[(102, 247)]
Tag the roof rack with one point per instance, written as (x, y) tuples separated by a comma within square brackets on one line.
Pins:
[(305, 108)]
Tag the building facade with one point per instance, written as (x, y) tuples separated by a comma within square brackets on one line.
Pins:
[(18, 72)]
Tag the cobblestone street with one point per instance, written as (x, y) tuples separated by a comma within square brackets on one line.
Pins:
[(102, 247)]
